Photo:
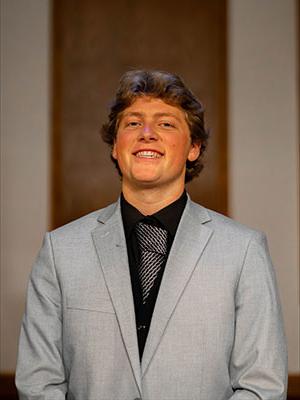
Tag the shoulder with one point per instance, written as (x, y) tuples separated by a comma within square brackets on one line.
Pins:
[(223, 225), (85, 224)]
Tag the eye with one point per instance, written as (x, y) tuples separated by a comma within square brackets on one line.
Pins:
[(133, 124), (167, 124)]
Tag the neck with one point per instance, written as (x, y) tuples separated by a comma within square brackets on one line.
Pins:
[(149, 201)]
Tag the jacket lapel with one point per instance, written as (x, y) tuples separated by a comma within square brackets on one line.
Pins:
[(190, 240), (110, 243)]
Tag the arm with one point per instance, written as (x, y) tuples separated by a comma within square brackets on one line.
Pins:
[(40, 371), (258, 366)]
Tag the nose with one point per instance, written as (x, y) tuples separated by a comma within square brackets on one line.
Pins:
[(148, 133)]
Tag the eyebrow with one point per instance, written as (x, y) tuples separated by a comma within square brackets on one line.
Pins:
[(140, 114)]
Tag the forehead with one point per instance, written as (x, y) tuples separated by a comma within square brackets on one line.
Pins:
[(152, 106)]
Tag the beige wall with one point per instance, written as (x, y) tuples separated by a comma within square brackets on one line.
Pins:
[(24, 156), (263, 145), (264, 138)]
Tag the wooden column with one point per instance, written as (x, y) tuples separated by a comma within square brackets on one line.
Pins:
[(94, 43)]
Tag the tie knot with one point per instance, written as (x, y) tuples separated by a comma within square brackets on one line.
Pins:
[(151, 238)]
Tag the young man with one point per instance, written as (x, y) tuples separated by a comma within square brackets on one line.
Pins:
[(154, 297)]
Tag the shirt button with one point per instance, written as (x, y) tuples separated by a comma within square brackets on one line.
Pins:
[(139, 328)]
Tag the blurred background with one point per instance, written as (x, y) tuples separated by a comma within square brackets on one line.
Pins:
[(60, 65)]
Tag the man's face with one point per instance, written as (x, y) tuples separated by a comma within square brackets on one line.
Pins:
[(152, 145)]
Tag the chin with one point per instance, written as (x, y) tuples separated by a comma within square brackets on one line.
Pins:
[(146, 181), (145, 177)]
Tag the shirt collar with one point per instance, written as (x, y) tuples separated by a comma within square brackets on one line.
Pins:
[(168, 216)]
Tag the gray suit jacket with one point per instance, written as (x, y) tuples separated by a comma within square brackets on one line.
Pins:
[(216, 331)]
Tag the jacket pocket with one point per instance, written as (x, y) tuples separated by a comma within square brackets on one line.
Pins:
[(88, 302)]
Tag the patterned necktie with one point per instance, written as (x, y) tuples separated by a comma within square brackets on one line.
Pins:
[(152, 242)]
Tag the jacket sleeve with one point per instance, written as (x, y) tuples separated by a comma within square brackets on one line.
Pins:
[(40, 370), (258, 366)]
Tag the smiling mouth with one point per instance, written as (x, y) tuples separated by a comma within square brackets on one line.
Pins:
[(148, 154)]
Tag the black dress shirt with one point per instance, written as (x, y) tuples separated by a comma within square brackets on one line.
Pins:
[(168, 218)]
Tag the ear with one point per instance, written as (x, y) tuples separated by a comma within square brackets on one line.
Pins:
[(114, 151), (194, 151)]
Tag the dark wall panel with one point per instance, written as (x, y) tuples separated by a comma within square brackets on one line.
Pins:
[(94, 42)]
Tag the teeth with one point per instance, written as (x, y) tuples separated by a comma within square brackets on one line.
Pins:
[(148, 154)]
